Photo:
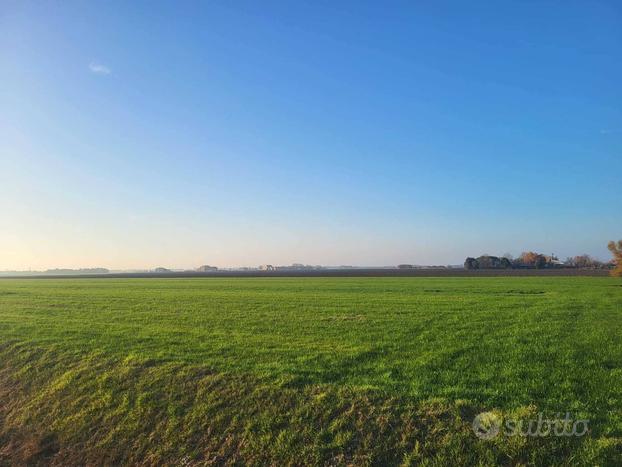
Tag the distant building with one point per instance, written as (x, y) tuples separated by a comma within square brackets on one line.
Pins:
[(161, 270), (207, 268), (405, 266), (553, 261), (266, 267)]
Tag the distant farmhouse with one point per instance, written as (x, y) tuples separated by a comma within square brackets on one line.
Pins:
[(207, 268), (161, 270), (267, 267)]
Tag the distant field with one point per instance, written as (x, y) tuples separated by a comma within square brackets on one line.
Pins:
[(365, 370)]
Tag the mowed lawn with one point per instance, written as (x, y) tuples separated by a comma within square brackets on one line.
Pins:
[(307, 370)]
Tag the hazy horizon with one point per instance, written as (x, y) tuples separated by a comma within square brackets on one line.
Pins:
[(144, 135), (196, 265)]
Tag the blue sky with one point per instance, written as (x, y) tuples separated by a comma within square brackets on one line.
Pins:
[(143, 134)]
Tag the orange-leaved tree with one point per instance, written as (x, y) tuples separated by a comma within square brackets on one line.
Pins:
[(616, 251)]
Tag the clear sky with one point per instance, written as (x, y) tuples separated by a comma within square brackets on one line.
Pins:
[(142, 134)]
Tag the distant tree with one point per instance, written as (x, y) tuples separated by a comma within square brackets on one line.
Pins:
[(490, 262), (506, 263), (531, 259), (487, 262), (528, 258), (585, 262), (539, 262), (616, 251)]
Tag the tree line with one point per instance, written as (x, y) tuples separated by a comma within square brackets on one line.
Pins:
[(534, 260)]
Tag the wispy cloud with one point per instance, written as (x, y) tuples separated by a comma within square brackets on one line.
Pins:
[(610, 131), (99, 69)]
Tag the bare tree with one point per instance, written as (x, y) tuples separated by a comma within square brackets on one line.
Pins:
[(585, 262)]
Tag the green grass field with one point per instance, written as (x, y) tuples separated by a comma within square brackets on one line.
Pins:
[(307, 370)]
